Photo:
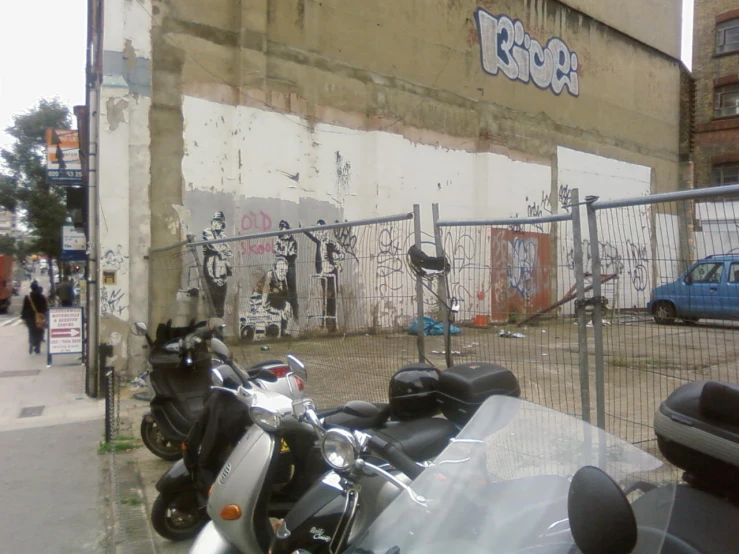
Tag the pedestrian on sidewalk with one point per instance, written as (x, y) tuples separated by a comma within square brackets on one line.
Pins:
[(34, 314), (65, 292)]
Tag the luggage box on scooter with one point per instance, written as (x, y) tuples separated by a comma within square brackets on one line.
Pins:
[(463, 388), (697, 429)]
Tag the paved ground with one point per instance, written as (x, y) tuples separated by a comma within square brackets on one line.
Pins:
[(52, 492), (644, 362)]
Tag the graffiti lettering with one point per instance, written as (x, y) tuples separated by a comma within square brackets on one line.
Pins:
[(506, 46), (389, 261), (256, 222), (347, 239), (249, 248), (638, 261), (539, 209), (564, 196), (111, 301)]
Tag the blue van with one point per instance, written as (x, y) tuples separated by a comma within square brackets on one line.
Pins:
[(709, 289)]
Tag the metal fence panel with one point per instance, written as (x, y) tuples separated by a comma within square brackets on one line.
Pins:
[(515, 284), (650, 244), (340, 296)]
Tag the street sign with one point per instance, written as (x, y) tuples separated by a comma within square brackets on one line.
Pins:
[(74, 244), (65, 330), (63, 165)]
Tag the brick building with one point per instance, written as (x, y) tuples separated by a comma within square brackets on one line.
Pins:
[(716, 72)]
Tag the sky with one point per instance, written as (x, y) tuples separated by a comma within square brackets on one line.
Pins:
[(42, 54)]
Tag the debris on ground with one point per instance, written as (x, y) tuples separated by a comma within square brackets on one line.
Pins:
[(432, 327), (508, 335)]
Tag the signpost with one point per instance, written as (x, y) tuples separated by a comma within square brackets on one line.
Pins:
[(66, 332), (74, 244), (63, 165)]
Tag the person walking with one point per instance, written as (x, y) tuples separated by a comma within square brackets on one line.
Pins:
[(65, 292), (34, 315)]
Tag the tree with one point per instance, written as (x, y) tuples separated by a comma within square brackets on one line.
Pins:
[(23, 185)]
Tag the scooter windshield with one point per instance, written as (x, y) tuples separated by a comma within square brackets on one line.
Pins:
[(503, 486)]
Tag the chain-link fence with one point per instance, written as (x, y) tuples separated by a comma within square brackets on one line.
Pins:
[(341, 296), (673, 306)]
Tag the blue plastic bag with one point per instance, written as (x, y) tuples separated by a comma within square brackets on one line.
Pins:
[(432, 327)]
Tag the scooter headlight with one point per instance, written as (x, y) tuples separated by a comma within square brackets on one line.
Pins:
[(340, 449), (265, 418)]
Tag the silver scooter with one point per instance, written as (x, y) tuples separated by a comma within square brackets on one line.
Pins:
[(242, 495)]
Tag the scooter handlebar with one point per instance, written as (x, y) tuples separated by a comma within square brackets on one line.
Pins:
[(395, 456)]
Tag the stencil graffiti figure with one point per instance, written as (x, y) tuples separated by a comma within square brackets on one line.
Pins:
[(269, 302), (217, 262), (329, 256), (287, 247)]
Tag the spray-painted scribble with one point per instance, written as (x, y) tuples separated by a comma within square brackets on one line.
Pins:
[(348, 241), (506, 46), (564, 197), (521, 270), (638, 261), (343, 172), (111, 301), (217, 263), (389, 261), (115, 261)]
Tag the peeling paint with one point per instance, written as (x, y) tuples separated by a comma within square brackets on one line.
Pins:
[(115, 112)]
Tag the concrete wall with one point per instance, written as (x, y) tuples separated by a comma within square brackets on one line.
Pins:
[(123, 176)]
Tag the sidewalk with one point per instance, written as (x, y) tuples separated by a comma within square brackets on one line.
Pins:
[(53, 496), (137, 470)]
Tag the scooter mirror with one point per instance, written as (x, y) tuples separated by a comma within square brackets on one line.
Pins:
[(220, 349), (297, 367), (216, 323), (139, 329), (216, 377)]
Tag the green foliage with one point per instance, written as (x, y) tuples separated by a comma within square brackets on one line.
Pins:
[(23, 185)]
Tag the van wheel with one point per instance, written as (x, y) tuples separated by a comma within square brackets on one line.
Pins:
[(664, 313)]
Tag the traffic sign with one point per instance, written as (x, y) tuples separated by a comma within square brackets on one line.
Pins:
[(65, 330)]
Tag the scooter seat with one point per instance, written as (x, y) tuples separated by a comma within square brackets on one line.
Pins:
[(164, 359), (421, 439), (370, 419)]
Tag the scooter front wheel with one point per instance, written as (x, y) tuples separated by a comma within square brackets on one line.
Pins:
[(157, 444), (177, 516)]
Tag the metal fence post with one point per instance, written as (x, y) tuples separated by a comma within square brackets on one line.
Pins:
[(443, 286), (600, 395), (582, 332), (421, 339)]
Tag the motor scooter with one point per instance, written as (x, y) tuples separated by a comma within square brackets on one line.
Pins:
[(179, 512), (180, 381)]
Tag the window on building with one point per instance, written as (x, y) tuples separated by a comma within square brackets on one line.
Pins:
[(726, 100), (727, 36), (726, 174)]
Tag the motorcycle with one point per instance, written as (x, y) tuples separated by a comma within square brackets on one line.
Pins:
[(180, 381), (519, 478), (244, 502), (179, 512)]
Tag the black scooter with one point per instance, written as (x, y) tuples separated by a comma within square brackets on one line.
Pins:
[(179, 377)]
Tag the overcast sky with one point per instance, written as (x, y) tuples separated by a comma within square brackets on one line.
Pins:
[(43, 54)]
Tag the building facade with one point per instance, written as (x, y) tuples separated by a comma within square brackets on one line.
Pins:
[(253, 112), (716, 72)]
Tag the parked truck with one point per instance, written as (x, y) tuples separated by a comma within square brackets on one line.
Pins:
[(6, 283)]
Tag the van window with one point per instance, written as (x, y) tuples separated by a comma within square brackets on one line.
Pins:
[(734, 272), (709, 272)]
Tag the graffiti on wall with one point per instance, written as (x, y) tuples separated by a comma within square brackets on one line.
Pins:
[(217, 263), (506, 47), (256, 222), (520, 269), (115, 260), (389, 261), (111, 301), (343, 172)]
